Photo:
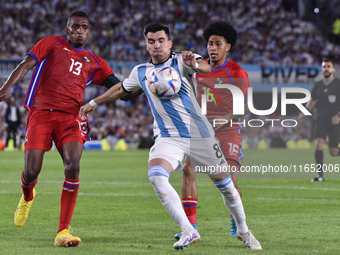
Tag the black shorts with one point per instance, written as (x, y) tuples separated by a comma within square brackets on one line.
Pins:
[(324, 128)]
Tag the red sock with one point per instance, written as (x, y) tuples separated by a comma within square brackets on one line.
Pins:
[(27, 188), (190, 208), (68, 202)]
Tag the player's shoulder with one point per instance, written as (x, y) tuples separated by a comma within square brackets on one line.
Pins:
[(51, 40), (233, 65), (235, 69), (318, 83), (54, 38)]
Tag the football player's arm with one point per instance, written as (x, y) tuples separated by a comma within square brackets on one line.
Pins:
[(132, 95), (310, 106), (199, 65), (110, 95), (17, 75)]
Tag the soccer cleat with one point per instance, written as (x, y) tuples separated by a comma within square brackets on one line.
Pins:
[(249, 240), (188, 237), (233, 231), (178, 235), (317, 178), (64, 238), (21, 213)]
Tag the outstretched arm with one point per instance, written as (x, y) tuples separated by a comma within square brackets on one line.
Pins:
[(17, 75), (200, 65), (110, 95), (132, 95)]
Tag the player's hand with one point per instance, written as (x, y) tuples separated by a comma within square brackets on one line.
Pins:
[(85, 110), (4, 94), (336, 119), (189, 58)]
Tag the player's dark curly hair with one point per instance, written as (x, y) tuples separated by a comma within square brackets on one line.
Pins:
[(327, 60), (155, 27), (221, 28)]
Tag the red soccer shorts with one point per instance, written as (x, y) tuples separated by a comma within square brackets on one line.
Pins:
[(45, 126), (231, 145)]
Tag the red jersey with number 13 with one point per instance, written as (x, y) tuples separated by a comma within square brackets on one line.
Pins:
[(61, 75), (228, 73)]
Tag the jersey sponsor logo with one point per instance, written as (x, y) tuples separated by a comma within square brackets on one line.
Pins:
[(331, 98), (66, 49), (86, 59)]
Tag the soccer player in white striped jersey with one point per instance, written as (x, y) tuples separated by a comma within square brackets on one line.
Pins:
[(180, 130)]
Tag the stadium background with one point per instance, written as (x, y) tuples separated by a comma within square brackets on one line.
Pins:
[(280, 44)]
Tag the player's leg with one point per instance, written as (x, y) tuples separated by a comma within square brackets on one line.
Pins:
[(319, 143), (71, 154), (38, 139), (233, 202), (210, 155), (29, 178), (69, 139), (165, 157), (235, 167), (321, 132), (231, 145), (334, 140), (189, 194)]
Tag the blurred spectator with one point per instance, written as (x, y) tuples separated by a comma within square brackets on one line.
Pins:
[(13, 121), (336, 31), (277, 141), (270, 32)]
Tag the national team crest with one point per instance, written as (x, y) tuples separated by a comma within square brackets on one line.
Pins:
[(26, 140), (86, 59), (331, 98), (219, 80)]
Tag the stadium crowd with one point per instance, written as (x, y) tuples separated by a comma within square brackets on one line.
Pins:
[(269, 33)]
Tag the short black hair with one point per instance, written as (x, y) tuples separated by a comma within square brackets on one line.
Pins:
[(155, 27), (221, 28), (78, 13), (328, 60)]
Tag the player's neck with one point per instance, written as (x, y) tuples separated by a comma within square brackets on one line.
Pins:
[(215, 64), (329, 79)]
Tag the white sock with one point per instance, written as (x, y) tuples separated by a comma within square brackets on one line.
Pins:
[(233, 202), (159, 178)]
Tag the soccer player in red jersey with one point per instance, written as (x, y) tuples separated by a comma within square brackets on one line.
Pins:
[(220, 37), (56, 91)]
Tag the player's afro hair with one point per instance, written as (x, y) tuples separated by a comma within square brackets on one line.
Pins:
[(221, 28)]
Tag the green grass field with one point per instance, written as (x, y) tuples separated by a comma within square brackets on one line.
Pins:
[(117, 211)]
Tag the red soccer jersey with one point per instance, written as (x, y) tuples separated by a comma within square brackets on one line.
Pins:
[(61, 75), (228, 73)]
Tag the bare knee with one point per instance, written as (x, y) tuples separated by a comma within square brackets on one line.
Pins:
[(71, 168), (319, 143), (333, 151)]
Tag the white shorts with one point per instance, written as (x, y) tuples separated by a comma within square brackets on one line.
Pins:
[(204, 153)]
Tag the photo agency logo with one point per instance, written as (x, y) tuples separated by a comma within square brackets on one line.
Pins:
[(210, 95)]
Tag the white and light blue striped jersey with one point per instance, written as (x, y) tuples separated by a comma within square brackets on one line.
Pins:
[(179, 116)]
